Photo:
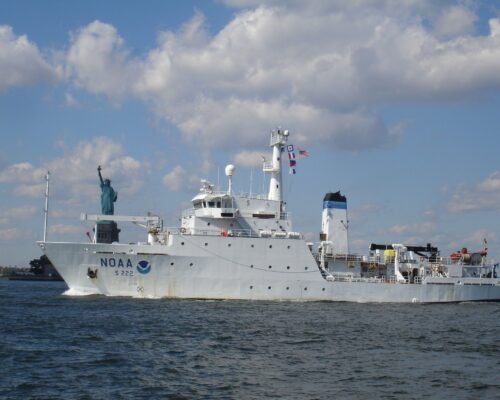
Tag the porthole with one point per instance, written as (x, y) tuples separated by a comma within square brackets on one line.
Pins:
[(171, 263), (305, 289), (208, 223), (182, 243), (287, 247), (306, 268), (190, 264), (287, 267), (251, 287), (269, 287), (270, 246), (270, 266), (206, 244), (288, 288), (251, 266), (323, 289), (229, 245), (252, 246)]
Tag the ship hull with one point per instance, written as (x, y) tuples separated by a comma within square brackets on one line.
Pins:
[(200, 267)]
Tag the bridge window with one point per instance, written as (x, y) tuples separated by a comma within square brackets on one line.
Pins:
[(227, 203)]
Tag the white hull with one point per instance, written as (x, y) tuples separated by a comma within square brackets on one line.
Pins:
[(243, 247), (238, 268)]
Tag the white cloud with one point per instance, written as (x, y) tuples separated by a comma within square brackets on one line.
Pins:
[(324, 69), (70, 100), (389, 7), (66, 229), (98, 61), (358, 216), (429, 213), (456, 20), (20, 212), (477, 237), (74, 175), (10, 234), (491, 183), (484, 196), (21, 62), (370, 208), (65, 213), (475, 241), (251, 158), (30, 190), (22, 172), (415, 229), (494, 27), (227, 89), (178, 179)]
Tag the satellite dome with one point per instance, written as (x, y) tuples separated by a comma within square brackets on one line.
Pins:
[(230, 170)]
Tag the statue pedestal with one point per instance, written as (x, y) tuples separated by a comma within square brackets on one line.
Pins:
[(106, 232)]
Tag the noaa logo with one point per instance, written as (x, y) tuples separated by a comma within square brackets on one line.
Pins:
[(143, 267)]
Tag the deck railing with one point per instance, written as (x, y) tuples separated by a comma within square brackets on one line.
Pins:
[(374, 279), (230, 233)]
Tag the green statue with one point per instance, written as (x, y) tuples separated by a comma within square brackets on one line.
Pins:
[(108, 195)]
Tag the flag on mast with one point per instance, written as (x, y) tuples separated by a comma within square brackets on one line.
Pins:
[(303, 153), (291, 158)]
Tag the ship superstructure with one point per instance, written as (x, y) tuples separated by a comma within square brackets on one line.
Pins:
[(244, 247)]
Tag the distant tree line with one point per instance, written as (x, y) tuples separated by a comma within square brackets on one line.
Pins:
[(8, 271), (38, 267)]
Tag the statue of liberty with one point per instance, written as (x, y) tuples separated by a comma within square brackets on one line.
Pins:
[(108, 195)]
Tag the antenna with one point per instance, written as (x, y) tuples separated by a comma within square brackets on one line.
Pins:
[(218, 180), (46, 209), (263, 182), (251, 181)]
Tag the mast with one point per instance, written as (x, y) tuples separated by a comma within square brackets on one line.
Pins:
[(46, 209), (278, 141), (229, 170)]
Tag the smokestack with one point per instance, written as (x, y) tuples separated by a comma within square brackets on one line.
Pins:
[(334, 222)]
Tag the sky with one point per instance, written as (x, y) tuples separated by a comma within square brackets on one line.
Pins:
[(397, 102)]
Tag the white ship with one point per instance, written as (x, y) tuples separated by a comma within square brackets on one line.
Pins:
[(243, 247)]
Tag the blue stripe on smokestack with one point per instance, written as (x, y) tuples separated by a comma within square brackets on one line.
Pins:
[(335, 204), (335, 200)]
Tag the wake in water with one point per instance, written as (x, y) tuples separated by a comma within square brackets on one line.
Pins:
[(79, 292)]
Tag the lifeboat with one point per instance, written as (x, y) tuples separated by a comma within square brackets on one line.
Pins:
[(468, 258)]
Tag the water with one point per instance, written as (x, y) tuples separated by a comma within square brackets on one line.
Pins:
[(60, 347)]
